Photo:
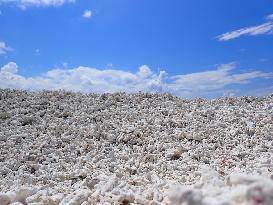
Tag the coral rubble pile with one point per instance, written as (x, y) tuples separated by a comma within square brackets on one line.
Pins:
[(77, 149)]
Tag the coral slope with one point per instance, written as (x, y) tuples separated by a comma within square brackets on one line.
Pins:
[(73, 148)]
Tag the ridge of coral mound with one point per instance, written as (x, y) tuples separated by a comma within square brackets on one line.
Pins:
[(71, 148)]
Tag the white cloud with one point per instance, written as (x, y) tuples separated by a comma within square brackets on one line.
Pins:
[(261, 91), (109, 65), (266, 28), (37, 3), (269, 17), (264, 59), (37, 52), (11, 67), (65, 64), (210, 83), (83, 79), (144, 71), (87, 14), (202, 83), (4, 48)]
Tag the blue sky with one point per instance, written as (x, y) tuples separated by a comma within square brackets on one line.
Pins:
[(187, 47)]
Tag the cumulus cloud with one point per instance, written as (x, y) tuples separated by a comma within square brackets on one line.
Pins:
[(11, 67), (36, 3), (84, 79), (4, 48), (87, 14), (144, 71), (87, 79)]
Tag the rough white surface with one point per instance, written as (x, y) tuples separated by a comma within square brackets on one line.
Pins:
[(71, 148)]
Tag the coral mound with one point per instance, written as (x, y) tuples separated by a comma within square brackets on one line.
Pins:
[(71, 148)]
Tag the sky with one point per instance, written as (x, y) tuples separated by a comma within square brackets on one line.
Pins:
[(189, 48)]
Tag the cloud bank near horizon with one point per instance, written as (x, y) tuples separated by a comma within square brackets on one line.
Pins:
[(86, 79)]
